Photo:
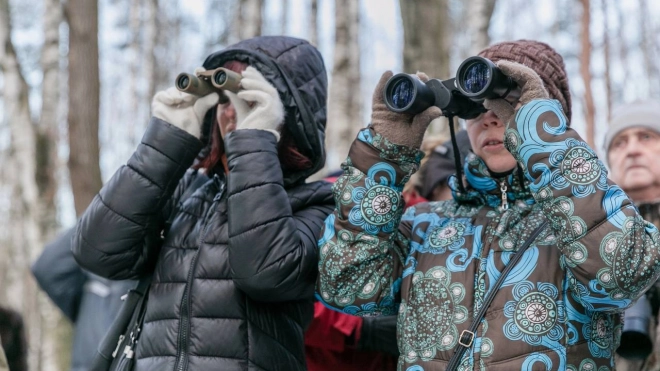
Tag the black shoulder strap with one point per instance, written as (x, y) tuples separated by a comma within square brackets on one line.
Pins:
[(467, 336)]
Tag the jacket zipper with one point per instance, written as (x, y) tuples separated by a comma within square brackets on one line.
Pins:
[(503, 189), (184, 324)]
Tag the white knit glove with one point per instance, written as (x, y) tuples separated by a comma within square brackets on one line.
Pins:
[(266, 112), (183, 110)]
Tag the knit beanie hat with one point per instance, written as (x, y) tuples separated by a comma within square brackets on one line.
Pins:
[(637, 114), (540, 57)]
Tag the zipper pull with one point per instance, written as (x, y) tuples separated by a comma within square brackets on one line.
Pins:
[(505, 203), (121, 338)]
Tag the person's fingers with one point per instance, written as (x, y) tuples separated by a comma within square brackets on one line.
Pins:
[(530, 82), (204, 103), (422, 76), (378, 91), (501, 108), (518, 72), (240, 106), (254, 80), (254, 74), (169, 97), (259, 85), (259, 97), (424, 118)]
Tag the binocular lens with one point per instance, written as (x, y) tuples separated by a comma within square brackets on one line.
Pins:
[(220, 77), (183, 82), (402, 93), (476, 77)]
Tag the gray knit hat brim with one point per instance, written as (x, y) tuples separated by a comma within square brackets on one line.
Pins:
[(645, 114)]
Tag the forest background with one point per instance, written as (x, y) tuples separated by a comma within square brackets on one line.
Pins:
[(77, 77)]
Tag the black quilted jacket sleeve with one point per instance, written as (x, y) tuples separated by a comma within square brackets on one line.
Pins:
[(272, 249), (117, 236)]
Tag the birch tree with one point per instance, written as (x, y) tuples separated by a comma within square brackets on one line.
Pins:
[(284, 21), (585, 71), (427, 43), (150, 42), (313, 22), (30, 208), (83, 114), (57, 329), (479, 13), (344, 105), (607, 57), (249, 19)]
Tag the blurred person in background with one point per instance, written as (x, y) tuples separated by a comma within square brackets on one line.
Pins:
[(3, 360), (233, 276), (14, 341), (632, 145), (531, 181), (90, 302), (339, 341), (438, 166)]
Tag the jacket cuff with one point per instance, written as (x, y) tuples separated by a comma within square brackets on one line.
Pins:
[(244, 141), (161, 135), (173, 149), (371, 148)]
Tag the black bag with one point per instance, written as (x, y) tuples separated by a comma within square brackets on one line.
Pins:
[(117, 349)]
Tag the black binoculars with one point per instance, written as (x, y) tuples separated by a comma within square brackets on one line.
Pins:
[(477, 79), (635, 337), (210, 81)]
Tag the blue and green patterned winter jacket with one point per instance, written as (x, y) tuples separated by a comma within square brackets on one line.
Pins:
[(560, 306)]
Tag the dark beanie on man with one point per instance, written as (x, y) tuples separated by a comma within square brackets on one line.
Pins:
[(540, 57)]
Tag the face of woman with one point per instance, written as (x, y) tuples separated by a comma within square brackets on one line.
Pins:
[(486, 133), (226, 116)]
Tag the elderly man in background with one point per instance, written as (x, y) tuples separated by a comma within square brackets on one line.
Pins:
[(632, 145)]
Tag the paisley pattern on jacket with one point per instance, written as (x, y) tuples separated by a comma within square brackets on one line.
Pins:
[(559, 308)]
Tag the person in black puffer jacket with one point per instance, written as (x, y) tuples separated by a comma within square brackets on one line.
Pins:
[(234, 273)]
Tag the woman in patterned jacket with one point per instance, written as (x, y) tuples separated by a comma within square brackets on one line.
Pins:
[(559, 308)]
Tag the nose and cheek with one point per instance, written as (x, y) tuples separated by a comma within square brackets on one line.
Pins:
[(489, 119)]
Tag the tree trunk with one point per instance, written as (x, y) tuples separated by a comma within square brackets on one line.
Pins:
[(83, 116), (585, 72), (26, 215), (150, 41), (479, 14), (608, 59), (249, 20), (344, 110), (134, 63), (648, 48), (427, 43), (314, 22), (623, 18), (284, 21), (57, 329)]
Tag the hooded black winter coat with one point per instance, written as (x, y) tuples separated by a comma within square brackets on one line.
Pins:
[(233, 281)]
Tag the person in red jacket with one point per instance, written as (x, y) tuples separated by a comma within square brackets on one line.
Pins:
[(338, 341)]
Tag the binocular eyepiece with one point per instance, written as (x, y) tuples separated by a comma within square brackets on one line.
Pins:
[(210, 81), (477, 79)]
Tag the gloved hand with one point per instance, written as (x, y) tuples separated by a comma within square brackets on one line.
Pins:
[(400, 128), (379, 334), (183, 110), (267, 112), (529, 82)]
